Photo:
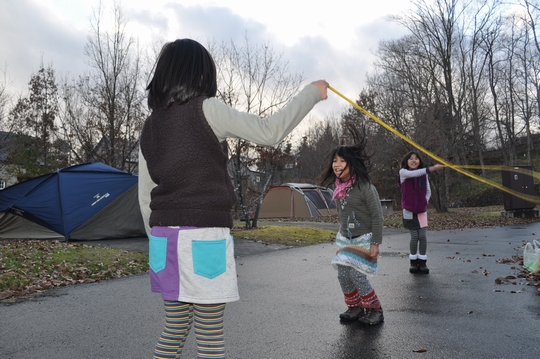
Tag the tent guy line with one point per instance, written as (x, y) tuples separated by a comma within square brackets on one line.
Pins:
[(533, 199)]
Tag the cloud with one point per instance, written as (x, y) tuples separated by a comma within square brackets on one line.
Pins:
[(216, 23), (30, 30), (30, 34)]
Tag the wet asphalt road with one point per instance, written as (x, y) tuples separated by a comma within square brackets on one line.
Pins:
[(290, 302)]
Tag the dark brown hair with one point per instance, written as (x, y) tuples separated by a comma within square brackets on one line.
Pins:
[(405, 163), (183, 71), (355, 155)]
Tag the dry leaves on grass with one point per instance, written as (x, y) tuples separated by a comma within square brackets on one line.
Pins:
[(455, 218), (460, 218), (33, 266)]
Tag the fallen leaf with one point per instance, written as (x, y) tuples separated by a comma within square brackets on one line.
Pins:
[(423, 350)]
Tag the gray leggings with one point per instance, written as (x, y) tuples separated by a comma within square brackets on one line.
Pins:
[(351, 279), (418, 241)]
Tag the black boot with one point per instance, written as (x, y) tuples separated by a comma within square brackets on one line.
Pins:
[(414, 266), (422, 268), (372, 317), (352, 313)]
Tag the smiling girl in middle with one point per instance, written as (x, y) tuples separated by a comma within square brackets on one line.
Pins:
[(361, 223)]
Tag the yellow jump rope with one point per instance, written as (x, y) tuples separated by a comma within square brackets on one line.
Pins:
[(460, 169)]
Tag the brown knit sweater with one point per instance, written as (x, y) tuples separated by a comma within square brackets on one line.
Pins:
[(189, 166)]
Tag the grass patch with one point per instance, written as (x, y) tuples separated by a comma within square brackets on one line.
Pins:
[(495, 214), (286, 235), (30, 267)]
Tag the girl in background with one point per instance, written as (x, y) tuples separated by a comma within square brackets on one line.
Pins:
[(415, 194), (360, 233), (186, 195)]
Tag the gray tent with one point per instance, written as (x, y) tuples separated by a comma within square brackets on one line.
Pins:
[(13, 226), (291, 200)]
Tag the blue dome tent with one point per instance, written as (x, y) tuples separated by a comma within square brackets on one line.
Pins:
[(84, 202)]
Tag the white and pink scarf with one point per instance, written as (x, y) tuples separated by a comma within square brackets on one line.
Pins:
[(341, 187)]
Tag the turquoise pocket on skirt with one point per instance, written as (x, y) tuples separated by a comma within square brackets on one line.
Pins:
[(209, 257), (157, 253)]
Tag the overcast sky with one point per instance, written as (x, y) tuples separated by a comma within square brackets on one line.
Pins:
[(332, 40)]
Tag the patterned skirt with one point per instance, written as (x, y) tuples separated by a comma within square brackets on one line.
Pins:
[(355, 253), (193, 265)]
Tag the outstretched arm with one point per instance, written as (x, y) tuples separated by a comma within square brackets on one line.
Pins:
[(227, 122), (405, 173)]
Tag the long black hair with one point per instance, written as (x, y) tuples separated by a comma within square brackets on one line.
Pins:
[(405, 160), (183, 71), (355, 155)]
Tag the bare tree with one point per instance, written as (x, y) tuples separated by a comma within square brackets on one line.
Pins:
[(404, 93), (253, 79), (510, 87), (524, 101), (463, 76), (317, 143), (475, 66), (104, 110), (532, 13), (495, 61), (5, 99), (434, 72), (5, 125), (530, 60)]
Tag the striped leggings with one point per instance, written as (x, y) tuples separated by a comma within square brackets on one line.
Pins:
[(208, 319), (418, 243)]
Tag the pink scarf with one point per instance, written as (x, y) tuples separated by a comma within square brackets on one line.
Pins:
[(341, 187)]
